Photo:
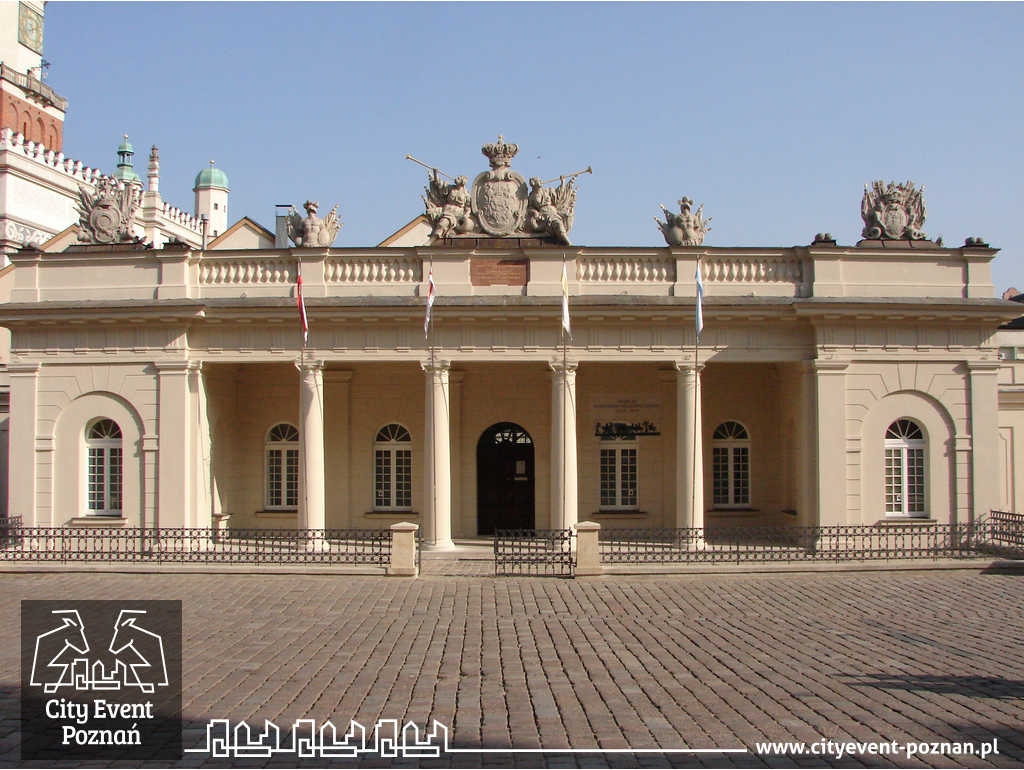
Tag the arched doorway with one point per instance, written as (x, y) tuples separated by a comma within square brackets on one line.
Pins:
[(504, 479)]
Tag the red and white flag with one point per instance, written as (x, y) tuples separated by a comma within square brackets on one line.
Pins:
[(301, 304), (430, 302)]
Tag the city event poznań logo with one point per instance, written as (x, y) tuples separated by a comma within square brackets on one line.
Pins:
[(101, 680)]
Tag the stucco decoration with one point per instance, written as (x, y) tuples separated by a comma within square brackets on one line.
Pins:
[(687, 228), (893, 211), (313, 231), (106, 215), (499, 203)]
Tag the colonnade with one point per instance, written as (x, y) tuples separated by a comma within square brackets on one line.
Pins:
[(437, 518)]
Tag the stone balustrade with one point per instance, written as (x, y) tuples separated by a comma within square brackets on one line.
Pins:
[(239, 271), (626, 269), (797, 272), (373, 270)]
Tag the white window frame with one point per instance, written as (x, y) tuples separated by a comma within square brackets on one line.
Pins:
[(733, 439), (615, 477), (104, 441), (392, 455), (905, 451), (280, 453)]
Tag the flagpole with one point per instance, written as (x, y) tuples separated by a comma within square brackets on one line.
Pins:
[(697, 327), (427, 329)]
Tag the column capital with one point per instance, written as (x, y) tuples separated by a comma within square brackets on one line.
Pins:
[(443, 365), (687, 367), (312, 365), (569, 367)]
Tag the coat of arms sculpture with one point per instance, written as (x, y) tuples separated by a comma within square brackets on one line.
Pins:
[(105, 216), (499, 203), (893, 211), (685, 228), (313, 231)]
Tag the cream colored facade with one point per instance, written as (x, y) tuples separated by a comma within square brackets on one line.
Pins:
[(815, 351)]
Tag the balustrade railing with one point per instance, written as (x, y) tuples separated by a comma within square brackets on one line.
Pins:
[(214, 271), (626, 269), (377, 269)]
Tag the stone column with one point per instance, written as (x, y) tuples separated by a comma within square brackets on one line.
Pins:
[(437, 496), (202, 451), (175, 457), (22, 431), (564, 483), (311, 436), (689, 448)]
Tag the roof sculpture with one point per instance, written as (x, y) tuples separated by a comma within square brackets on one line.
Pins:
[(313, 231), (893, 211), (685, 228), (105, 216), (499, 203)]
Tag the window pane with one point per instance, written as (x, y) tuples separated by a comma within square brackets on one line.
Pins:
[(403, 478), (894, 481), (740, 475), (915, 481), (114, 492), (608, 486), (274, 480), (97, 473), (292, 478), (720, 475), (628, 477), (382, 478)]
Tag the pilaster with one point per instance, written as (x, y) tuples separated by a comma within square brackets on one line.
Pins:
[(175, 459), (830, 391), (984, 407), (24, 379)]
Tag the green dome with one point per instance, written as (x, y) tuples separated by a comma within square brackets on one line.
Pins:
[(211, 177), (125, 171)]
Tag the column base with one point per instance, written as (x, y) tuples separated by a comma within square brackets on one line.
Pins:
[(440, 545)]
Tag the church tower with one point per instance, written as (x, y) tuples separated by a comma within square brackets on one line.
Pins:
[(126, 164), (211, 189), (27, 104)]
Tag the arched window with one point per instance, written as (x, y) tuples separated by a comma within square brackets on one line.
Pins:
[(730, 464), (392, 468), (104, 467), (282, 467), (904, 469)]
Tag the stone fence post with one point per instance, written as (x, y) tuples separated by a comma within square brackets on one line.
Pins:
[(403, 550), (588, 554)]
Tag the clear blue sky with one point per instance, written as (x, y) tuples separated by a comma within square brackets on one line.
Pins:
[(772, 115)]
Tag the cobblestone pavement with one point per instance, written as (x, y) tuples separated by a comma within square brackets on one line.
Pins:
[(698, 661)]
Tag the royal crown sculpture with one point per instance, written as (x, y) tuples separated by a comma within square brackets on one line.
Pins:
[(499, 203), (687, 228)]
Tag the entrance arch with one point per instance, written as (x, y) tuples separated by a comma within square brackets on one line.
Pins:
[(504, 479)]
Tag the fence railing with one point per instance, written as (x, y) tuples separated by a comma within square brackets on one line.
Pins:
[(826, 543), (545, 552), (193, 545)]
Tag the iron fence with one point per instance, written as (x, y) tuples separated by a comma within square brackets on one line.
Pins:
[(888, 541), (1005, 533), (196, 545), (544, 552)]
